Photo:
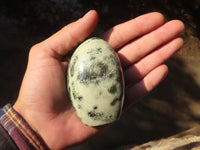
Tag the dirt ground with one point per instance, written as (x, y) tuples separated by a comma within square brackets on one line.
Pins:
[(172, 107)]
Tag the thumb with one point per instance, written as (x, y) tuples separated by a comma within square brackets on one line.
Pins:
[(69, 36)]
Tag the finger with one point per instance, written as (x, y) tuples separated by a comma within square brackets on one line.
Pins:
[(70, 36), (137, 71), (149, 82), (137, 49), (125, 32)]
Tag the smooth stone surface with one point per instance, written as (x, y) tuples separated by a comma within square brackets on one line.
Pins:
[(95, 83)]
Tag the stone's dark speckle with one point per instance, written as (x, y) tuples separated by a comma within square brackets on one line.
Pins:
[(73, 65), (100, 93), (72, 71), (95, 115), (114, 101), (111, 56), (79, 107), (93, 74), (91, 52), (94, 52), (112, 89), (80, 98), (74, 95), (69, 90), (99, 50), (100, 116), (91, 114), (77, 95), (111, 75), (103, 69), (92, 58), (118, 79), (87, 77), (112, 59), (95, 107)]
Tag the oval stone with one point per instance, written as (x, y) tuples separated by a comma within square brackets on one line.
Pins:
[(95, 83)]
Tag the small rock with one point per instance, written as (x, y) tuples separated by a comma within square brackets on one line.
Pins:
[(95, 83)]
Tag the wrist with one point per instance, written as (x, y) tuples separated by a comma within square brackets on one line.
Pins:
[(37, 123), (20, 131)]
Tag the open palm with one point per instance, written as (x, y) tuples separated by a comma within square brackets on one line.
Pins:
[(43, 100)]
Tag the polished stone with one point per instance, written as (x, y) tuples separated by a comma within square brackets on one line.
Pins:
[(95, 83)]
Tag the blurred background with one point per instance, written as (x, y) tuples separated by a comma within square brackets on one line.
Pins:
[(174, 106)]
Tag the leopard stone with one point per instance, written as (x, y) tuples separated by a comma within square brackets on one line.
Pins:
[(95, 83)]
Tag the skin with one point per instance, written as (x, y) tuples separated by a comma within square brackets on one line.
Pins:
[(43, 100)]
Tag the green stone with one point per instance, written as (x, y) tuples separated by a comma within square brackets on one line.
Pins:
[(95, 83)]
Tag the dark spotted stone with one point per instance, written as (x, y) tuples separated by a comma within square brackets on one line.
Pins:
[(95, 83)]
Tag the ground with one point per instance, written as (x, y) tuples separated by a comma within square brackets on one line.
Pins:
[(172, 107)]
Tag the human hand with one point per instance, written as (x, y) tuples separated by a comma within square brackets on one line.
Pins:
[(43, 100)]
